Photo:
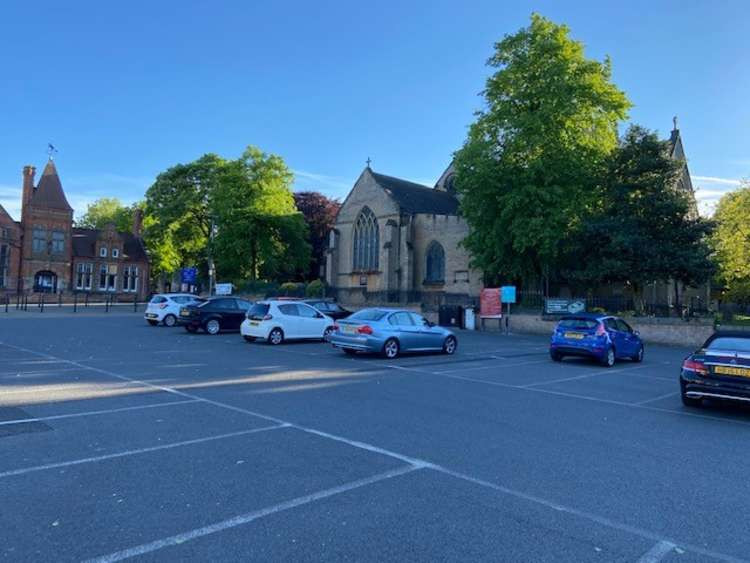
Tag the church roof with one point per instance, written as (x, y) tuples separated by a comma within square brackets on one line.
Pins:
[(416, 198), (49, 192), (84, 244)]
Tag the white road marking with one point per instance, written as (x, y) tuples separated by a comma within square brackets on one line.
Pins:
[(21, 373), (69, 387), (660, 397), (491, 366), (174, 366), (248, 517), (91, 413), (657, 553), (586, 375), (416, 463), (138, 451)]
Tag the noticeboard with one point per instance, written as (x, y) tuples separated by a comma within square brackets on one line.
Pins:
[(223, 289), (490, 306), (564, 306)]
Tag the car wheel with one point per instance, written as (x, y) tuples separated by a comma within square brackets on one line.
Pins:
[(327, 333), (213, 326), (450, 345), (609, 358), (391, 348), (191, 329), (689, 401), (170, 320), (248, 338), (638, 357), (556, 356), (276, 336), (152, 322)]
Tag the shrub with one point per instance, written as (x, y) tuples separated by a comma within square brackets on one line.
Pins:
[(315, 288), (292, 289)]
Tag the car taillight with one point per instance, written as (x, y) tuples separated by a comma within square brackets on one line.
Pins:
[(364, 329), (335, 328), (267, 317), (163, 306), (600, 330), (698, 367)]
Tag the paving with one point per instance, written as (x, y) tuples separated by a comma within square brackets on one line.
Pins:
[(120, 440)]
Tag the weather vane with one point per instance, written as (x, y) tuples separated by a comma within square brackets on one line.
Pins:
[(51, 150)]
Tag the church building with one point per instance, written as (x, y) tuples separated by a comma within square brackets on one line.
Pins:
[(45, 253), (397, 241)]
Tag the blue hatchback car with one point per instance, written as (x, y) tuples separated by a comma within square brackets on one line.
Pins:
[(599, 336), (390, 332)]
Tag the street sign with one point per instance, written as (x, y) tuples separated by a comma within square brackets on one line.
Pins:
[(508, 294), (223, 289), (189, 275)]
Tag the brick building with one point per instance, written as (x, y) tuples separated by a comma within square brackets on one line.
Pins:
[(45, 253)]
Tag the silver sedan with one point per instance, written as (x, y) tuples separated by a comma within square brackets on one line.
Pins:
[(390, 332)]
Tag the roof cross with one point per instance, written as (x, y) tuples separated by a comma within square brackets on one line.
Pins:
[(51, 150), (368, 162)]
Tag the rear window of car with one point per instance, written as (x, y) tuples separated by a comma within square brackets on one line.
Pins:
[(730, 344), (158, 299), (258, 311), (578, 323), (368, 315)]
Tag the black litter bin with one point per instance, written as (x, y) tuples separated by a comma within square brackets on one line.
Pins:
[(451, 315)]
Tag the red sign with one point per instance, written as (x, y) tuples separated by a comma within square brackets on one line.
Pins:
[(489, 303)]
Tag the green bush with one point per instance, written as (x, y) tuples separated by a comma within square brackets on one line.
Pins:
[(315, 288), (292, 289)]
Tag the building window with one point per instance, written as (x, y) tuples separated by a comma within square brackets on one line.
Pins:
[(108, 277), (84, 273), (58, 242), (115, 253), (130, 278), (435, 263), (4, 264), (103, 252), (39, 239), (366, 241), (4, 233)]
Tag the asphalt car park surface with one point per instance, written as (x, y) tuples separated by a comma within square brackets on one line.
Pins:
[(123, 440)]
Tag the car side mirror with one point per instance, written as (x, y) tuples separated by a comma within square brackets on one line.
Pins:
[(637, 332)]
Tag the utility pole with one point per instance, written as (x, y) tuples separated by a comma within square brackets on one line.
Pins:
[(211, 265)]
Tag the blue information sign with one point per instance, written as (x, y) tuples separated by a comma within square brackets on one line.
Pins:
[(189, 275), (508, 294)]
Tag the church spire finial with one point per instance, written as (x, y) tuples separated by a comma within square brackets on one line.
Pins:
[(51, 150), (674, 123), (368, 162)]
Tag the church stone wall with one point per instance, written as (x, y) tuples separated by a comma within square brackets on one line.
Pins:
[(449, 231)]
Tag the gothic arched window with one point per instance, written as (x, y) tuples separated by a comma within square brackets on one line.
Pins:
[(366, 241), (435, 266)]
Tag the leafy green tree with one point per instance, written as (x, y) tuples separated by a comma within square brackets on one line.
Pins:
[(107, 210), (731, 241), (260, 233), (178, 219), (641, 228), (536, 152)]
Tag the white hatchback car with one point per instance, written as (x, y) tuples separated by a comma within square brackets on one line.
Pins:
[(277, 320), (165, 307)]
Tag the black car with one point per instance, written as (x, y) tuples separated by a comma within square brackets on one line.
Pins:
[(214, 315), (718, 370), (328, 308)]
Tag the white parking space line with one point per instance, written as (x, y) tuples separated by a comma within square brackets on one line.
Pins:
[(657, 553), (93, 413), (22, 373), (126, 453), (659, 398), (176, 366), (607, 371), (248, 517), (68, 387), (416, 463), (492, 366)]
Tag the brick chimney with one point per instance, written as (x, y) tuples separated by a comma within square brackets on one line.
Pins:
[(137, 222), (28, 186)]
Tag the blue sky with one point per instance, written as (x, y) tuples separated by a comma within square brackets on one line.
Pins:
[(127, 89)]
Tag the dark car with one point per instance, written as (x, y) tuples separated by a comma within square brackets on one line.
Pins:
[(718, 370), (328, 308), (214, 315), (599, 336)]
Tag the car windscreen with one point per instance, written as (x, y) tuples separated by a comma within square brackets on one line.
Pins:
[(368, 315), (730, 344), (581, 324), (258, 311)]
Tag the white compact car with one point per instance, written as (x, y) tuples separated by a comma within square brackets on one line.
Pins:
[(278, 320), (165, 307)]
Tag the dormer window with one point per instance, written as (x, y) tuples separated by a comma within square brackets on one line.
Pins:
[(103, 252), (115, 253)]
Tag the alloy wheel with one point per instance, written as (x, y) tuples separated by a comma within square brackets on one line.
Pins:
[(391, 349), (213, 326), (276, 336), (450, 345), (170, 320)]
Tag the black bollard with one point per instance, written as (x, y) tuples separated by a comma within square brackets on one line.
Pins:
[(75, 302), (59, 299), (7, 302), (41, 302)]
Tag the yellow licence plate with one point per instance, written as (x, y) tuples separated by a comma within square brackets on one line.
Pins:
[(185, 313), (728, 370), (574, 335)]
